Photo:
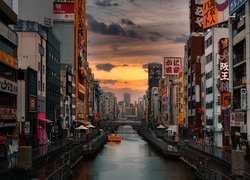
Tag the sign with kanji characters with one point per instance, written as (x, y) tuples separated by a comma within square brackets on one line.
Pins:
[(215, 12), (224, 64), (171, 65), (196, 15)]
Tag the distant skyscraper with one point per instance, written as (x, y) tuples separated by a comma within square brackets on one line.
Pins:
[(127, 99)]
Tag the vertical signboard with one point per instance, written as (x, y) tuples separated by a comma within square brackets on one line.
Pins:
[(215, 12), (235, 4), (243, 98), (155, 74), (224, 84), (196, 20), (171, 65)]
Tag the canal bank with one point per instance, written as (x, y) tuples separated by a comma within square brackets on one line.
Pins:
[(132, 159)]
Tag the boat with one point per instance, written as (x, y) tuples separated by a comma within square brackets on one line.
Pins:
[(114, 138)]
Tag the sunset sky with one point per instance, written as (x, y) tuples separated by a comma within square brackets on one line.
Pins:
[(125, 35)]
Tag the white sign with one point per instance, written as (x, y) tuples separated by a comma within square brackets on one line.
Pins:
[(171, 65), (8, 86), (243, 98)]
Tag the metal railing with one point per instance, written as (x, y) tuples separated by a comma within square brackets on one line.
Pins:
[(48, 148), (211, 174), (212, 150), (165, 147)]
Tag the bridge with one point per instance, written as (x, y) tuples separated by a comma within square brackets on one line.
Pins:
[(121, 122)]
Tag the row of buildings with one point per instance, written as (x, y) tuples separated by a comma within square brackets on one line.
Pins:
[(209, 94), (46, 85)]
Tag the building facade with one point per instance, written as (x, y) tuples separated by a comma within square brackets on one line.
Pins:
[(8, 80)]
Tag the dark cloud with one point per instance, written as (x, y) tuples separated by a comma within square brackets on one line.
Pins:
[(106, 3), (127, 22), (105, 67), (102, 28), (182, 38), (155, 36), (109, 81), (112, 29), (133, 34)]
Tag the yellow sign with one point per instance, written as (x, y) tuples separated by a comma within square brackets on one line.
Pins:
[(8, 59)]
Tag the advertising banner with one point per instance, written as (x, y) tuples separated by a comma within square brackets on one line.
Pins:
[(63, 11), (226, 122), (8, 59), (171, 65), (215, 12), (235, 4), (243, 98), (32, 104)]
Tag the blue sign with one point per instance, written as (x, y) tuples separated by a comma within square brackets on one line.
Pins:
[(235, 4)]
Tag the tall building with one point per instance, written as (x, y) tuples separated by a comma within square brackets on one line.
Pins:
[(8, 79), (239, 46), (32, 53), (154, 75), (127, 99), (212, 83)]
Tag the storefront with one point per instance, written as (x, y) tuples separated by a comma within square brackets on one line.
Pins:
[(42, 133)]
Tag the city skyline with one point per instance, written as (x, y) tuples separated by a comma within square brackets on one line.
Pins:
[(125, 35)]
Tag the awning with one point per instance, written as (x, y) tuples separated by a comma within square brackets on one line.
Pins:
[(90, 126), (83, 122), (82, 127), (160, 127), (173, 128), (45, 120)]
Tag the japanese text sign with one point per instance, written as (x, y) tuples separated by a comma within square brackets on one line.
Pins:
[(215, 12), (235, 4), (196, 19), (171, 65)]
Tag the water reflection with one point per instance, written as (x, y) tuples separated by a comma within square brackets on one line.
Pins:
[(131, 159)]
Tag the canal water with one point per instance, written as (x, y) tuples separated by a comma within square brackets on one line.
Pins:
[(132, 159)]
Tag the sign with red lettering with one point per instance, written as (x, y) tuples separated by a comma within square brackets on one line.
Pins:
[(172, 65)]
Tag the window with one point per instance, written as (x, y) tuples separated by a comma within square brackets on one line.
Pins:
[(209, 90), (209, 105), (208, 42), (43, 87), (209, 75), (209, 58)]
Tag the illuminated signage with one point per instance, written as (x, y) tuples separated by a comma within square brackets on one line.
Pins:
[(63, 11), (196, 13), (8, 113), (8, 59)]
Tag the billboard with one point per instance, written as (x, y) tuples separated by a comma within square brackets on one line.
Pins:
[(171, 65), (215, 12), (235, 4), (154, 74), (196, 15), (63, 11)]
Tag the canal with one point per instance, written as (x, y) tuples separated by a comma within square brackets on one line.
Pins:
[(132, 159)]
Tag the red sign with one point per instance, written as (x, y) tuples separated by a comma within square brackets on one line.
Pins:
[(63, 11), (171, 65), (32, 103), (226, 122)]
